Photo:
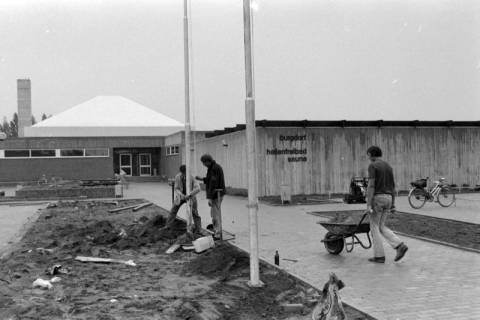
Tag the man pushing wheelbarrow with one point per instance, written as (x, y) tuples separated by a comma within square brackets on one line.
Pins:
[(380, 202)]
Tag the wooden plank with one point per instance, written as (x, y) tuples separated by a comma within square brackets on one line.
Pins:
[(105, 260), (123, 208), (141, 206)]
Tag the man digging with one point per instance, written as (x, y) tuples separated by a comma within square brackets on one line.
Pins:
[(180, 190)]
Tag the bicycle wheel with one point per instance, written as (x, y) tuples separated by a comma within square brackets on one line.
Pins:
[(417, 198), (446, 197)]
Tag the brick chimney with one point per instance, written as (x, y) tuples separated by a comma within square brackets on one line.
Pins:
[(24, 100)]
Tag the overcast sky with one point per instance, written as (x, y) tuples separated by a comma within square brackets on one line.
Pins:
[(314, 59)]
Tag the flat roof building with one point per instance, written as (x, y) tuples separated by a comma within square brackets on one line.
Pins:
[(89, 141)]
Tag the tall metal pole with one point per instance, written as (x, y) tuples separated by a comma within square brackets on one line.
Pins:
[(187, 109), (251, 141)]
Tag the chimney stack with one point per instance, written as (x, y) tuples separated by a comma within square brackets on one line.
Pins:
[(24, 100)]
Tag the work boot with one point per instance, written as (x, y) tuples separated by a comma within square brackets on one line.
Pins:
[(401, 250), (377, 259)]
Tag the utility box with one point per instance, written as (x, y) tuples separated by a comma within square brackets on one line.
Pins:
[(285, 193), (171, 183), (119, 190)]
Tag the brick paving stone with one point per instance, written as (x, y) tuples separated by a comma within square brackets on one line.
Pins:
[(429, 281)]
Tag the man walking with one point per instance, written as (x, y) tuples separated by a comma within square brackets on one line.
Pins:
[(380, 202), (180, 197), (215, 189)]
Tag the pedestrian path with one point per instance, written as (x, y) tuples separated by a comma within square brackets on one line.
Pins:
[(431, 282), (12, 222), (466, 208)]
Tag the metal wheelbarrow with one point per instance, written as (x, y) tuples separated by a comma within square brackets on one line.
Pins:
[(342, 235)]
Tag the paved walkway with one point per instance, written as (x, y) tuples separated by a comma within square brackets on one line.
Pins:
[(466, 208), (12, 220), (431, 282)]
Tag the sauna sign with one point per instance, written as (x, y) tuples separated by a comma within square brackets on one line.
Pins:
[(293, 153)]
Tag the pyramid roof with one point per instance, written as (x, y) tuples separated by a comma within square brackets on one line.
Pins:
[(106, 116)]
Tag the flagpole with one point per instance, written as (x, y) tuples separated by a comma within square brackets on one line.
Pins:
[(187, 110), (251, 140)]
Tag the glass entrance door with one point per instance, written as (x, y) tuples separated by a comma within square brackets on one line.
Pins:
[(145, 163), (126, 163)]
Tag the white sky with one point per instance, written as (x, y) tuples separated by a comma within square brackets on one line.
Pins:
[(314, 59)]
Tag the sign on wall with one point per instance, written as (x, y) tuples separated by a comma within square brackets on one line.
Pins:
[(295, 150)]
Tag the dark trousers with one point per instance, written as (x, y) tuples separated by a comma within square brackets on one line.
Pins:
[(197, 221)]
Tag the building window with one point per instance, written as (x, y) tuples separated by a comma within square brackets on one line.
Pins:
[(17, 153), (53, 153), (103, 152), (172, 150), (71, 153), (42, 153)]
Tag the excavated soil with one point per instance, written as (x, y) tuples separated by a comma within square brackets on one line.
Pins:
[(182, 285), (458, 233)]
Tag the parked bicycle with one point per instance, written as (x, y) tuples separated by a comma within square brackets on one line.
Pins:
[(440, 193)]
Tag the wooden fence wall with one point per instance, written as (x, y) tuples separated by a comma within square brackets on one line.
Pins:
[(327, 158), (230, 152)]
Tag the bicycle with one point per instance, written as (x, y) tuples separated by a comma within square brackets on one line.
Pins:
[(441, 193)]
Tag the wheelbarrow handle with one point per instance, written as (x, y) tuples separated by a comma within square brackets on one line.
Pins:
[(363, 218), (360, 223)]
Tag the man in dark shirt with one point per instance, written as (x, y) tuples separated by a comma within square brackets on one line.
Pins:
[(380, 202), (215, 189)]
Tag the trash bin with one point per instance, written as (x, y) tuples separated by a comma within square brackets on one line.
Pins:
[(285, 193)]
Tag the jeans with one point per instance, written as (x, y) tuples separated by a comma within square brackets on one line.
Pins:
[(382, 204), (216, 213), (197, 221)]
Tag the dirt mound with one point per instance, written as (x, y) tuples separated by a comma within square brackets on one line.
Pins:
[(102, 232), (131, 236), (150, 231), (217, 262), (265, 302)]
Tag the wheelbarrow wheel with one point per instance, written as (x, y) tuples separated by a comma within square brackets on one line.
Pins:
[(333, 246)]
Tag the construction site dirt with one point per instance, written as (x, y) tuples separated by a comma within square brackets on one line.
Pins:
[(151, 284)]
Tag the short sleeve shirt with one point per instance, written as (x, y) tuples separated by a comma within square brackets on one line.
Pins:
[(382, 172)]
